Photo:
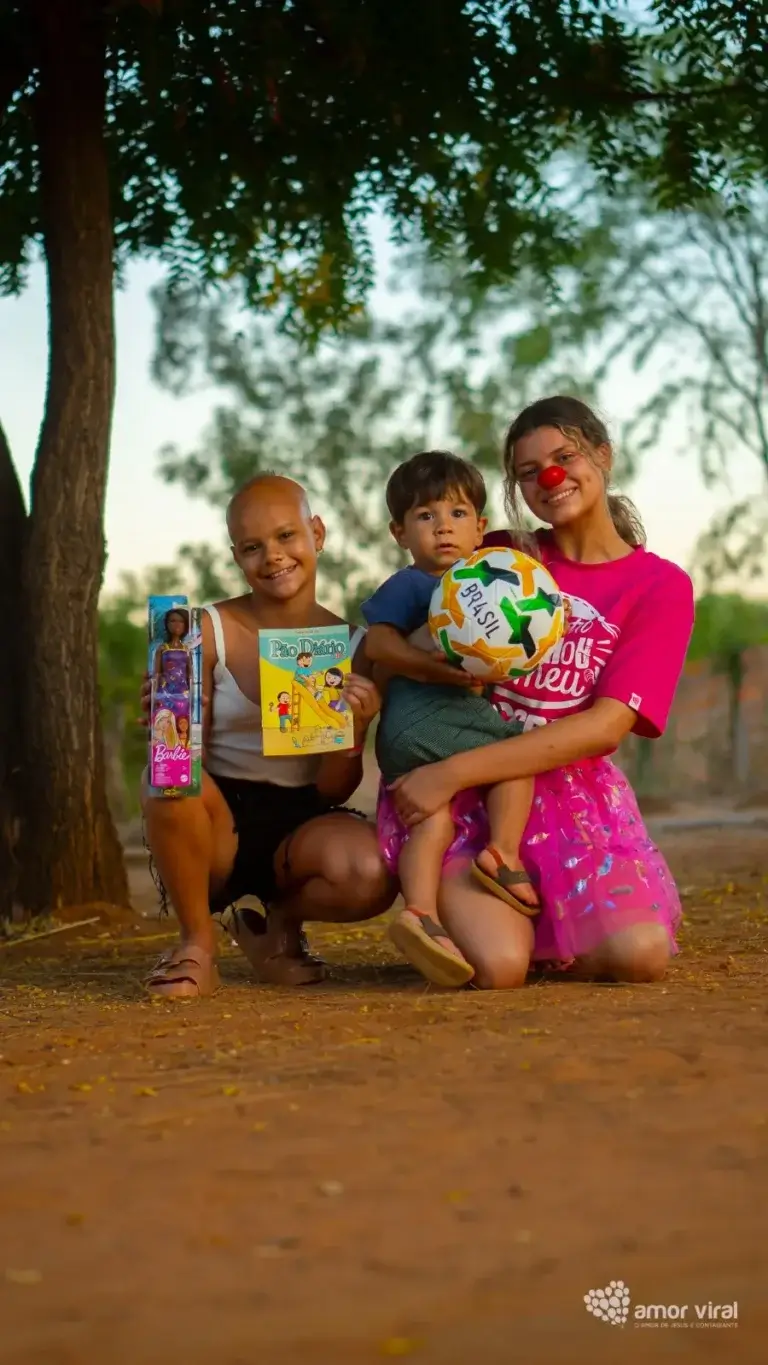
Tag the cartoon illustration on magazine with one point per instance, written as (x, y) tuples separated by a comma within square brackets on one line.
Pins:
[(302, 676)]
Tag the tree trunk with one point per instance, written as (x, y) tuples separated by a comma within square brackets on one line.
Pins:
[(70, 850), (13, 518)]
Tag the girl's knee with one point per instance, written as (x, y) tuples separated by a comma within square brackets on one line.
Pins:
[(640, 954), (369, 882), (503, 972), (355, 868)]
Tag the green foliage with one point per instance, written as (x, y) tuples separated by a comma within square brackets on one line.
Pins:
[(726, 625), (687, 294), (733, 546), (122, 660), (254, 140), (339, 417)]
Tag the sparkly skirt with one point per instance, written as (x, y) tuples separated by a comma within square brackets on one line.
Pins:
[(585, 849)]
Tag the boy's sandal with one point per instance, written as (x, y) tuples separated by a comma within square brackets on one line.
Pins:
[(418, 939), (274, 969), (500, 882), (182, 973)]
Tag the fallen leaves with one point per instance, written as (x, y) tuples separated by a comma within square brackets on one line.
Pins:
[(331, 1188), (25, 1277)]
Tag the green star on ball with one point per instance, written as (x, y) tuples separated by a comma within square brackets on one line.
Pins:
[(519, 627), (486, 574), (543, 601)]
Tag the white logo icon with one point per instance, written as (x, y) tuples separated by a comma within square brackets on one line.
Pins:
[(610, 1304)]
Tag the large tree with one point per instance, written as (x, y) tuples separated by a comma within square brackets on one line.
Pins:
[(254, 139)]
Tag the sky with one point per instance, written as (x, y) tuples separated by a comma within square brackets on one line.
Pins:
[(146, 521)]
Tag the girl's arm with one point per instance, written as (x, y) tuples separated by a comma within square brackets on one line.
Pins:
[(589, 734), (209, 663)]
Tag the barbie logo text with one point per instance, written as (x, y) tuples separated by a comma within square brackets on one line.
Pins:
[(175, 755)]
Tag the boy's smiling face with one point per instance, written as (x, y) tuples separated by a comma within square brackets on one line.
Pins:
[(275, 539)]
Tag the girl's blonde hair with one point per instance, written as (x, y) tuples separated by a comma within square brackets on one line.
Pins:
[(580, 424)]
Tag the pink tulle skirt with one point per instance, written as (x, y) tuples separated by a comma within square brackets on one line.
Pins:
[(585, 849)]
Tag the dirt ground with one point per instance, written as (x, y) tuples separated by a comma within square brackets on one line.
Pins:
[(368, 1170)]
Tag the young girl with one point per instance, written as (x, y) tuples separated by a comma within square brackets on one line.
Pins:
[(436, 502), (274, 828), (609, 905)]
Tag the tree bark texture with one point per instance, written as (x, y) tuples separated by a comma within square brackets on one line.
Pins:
[(70, 850), (13, 524)]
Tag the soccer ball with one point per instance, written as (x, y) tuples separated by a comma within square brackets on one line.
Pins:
[(497, 614)]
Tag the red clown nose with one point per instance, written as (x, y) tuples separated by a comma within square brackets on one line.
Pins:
[(551, 477)]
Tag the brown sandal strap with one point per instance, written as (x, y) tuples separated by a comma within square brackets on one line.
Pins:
[(430, 926), (504, 875), (181, 964), (507, 877)]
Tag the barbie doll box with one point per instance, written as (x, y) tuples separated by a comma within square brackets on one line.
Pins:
[(175, 670)]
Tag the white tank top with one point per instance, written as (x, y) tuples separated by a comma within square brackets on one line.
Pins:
[(234, 747)]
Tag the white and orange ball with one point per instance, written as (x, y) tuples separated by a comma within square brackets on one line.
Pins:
[(497, 614)]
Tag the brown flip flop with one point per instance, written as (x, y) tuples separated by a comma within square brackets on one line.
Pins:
[(502, 879), (418, 942), (182, 973)]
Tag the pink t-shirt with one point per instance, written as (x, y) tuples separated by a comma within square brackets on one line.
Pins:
[(627, 638)]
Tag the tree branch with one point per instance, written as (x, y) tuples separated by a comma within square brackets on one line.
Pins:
[(690, 323), (615, 95)]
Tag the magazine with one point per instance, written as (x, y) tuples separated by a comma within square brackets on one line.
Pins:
[(302, 674)]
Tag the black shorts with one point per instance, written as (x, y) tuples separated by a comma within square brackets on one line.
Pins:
[(264, 815)]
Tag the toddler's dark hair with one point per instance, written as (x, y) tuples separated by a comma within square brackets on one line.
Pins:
[(430, 476)]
